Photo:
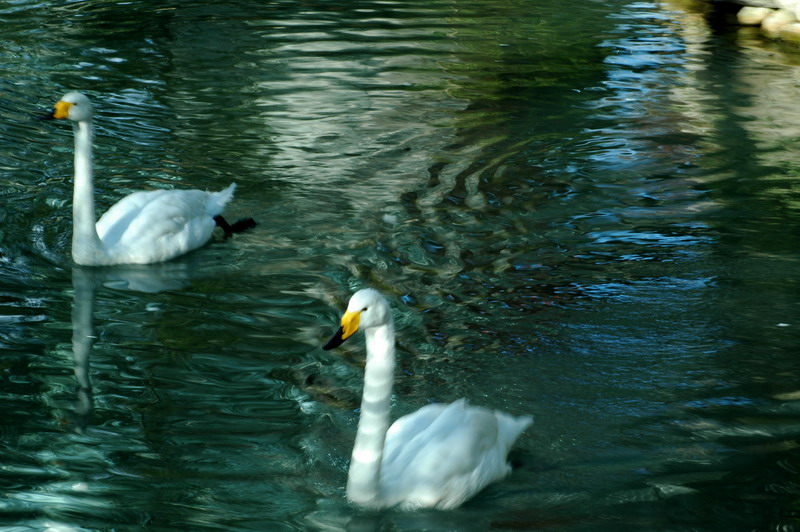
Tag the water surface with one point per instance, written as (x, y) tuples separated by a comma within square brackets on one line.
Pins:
[(584, 211)]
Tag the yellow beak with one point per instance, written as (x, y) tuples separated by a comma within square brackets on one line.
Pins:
[(350, 322), (61, 110)]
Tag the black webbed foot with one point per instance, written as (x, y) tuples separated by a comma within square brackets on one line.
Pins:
[(236, 227)]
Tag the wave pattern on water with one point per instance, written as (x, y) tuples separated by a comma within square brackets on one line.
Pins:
[(551, 194)]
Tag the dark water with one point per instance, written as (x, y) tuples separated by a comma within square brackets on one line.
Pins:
[(582, 210)]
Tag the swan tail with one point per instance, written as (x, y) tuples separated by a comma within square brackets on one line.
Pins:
[(217, 200), (216, 204), (510, 428)]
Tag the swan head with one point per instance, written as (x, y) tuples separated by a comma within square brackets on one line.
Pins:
[(367, 309), (73, 106)]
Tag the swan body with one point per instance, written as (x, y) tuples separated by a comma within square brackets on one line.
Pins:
[(436, 457), (142, 228)]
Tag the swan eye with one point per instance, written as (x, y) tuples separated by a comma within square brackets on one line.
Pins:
[(364, 309)]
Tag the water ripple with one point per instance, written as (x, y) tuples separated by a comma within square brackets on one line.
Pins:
[(578, 211)]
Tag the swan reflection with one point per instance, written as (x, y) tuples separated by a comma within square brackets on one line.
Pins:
[(86, 281)]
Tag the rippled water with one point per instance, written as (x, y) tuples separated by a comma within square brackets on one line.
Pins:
[(582, 210)]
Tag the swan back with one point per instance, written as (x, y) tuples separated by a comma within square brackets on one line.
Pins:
[(442, 455), (162, 222)]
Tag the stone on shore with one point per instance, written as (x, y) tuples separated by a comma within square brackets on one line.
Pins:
[(753, 16), (774, 4), (790, 32), (790, 5), (771, 26)]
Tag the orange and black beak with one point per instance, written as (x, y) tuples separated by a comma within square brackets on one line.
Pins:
[(350, 322), (60, 111)]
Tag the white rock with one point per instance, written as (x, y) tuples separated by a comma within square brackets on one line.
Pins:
[(752, 16), (788, 4), (790, 32), (757, 3), (771, 25)]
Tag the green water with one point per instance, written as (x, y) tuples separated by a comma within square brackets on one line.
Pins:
[(584, 211)]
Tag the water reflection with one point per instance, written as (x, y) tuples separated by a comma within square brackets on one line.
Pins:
[(83, 286), (583, 208), (85, 283)]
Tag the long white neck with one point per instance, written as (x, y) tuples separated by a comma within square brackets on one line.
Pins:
[(363, 479), (86, 246)]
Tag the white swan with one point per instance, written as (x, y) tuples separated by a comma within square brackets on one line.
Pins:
[(144, 227), (437, 457)]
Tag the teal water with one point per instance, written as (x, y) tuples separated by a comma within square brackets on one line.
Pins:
[(585, 211)]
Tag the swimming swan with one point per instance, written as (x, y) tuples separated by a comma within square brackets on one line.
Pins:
[(143, 227), (437, 457)]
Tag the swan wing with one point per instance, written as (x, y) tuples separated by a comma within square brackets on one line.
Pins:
[(407, 428), (115, 221), (445, 455), (158, 225)]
